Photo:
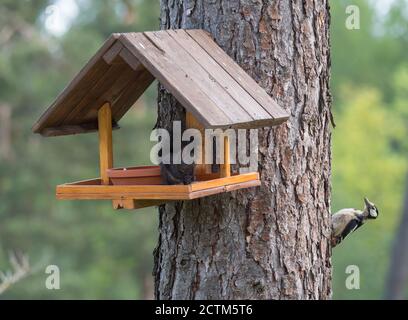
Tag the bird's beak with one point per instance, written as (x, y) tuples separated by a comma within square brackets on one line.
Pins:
[(367, 202)]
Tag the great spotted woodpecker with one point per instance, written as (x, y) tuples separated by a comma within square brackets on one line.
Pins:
[(346, 221)]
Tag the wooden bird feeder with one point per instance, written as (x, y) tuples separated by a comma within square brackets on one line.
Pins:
[(213, 89)]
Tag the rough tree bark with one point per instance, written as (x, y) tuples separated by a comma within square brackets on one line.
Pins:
[(270, 242), (398, 272)]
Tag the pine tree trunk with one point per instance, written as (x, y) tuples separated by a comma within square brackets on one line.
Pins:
[(270, 242)]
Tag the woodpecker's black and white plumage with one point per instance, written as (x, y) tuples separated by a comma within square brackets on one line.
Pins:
[(346, 221)]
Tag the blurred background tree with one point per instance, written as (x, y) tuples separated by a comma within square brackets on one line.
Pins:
[(101, 253), (107, 254)]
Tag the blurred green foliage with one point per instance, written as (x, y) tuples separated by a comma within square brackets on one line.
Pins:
[(370, 89), (107, 254), (101, 253)]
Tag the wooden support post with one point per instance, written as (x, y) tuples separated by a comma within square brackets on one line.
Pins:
[(191, 122), (130, 204), (105, 141), (226, 167)]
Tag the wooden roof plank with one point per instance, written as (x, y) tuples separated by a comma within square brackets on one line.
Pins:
[(200, 76), (131, 94), (95, 92), (249, 84), (76, 89), (65, 130), (131, 60), (133, 89), (230, 85), (111, 55), (58, 115), (189, 64), (171, 76), (122, 80), (111, 85)]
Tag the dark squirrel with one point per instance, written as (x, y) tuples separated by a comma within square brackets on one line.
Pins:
[(177, 173), (182, 173)]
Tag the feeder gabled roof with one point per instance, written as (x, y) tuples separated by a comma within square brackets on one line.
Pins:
[(188, 63)]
